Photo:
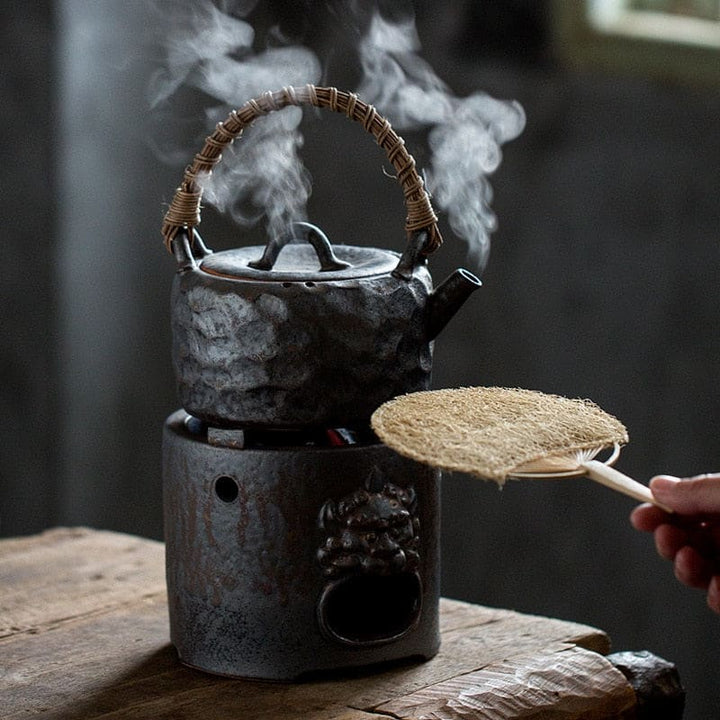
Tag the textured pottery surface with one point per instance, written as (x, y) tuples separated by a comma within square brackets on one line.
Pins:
[(286, 561), (292, 352)]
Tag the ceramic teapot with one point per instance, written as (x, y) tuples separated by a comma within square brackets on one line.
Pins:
[(301, 332)]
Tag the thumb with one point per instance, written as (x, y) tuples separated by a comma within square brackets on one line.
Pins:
[(699, 495)]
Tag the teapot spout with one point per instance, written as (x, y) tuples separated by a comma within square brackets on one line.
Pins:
[(447, 299)]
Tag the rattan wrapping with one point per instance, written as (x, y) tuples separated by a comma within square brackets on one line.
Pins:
[(490, 431), (184, 210)]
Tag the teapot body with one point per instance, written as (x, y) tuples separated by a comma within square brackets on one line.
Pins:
[(292, 348)]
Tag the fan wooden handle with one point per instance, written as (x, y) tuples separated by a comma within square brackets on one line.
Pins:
[(614, 479)]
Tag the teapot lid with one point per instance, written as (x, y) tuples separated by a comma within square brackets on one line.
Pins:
[(300, 263), (284, 259)]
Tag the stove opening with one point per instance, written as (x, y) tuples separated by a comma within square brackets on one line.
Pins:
[(371, 609), (226, 488)]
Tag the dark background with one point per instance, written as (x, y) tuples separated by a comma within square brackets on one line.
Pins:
[(602, 283)]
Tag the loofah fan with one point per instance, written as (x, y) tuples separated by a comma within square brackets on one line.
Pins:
[(501, 433)]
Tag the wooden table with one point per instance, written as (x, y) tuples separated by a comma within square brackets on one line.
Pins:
[(84, 634)]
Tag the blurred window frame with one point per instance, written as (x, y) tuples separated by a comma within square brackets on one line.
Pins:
[(616, 36)]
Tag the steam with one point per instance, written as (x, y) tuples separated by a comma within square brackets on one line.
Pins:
[(269, 179), (202, 36), (213, 51), (465, 135)]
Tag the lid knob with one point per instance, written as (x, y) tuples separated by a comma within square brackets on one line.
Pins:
[(311, 234)]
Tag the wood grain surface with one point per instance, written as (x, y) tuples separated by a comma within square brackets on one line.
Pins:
[(84, 635)]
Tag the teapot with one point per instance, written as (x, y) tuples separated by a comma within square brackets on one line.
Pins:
[(302, 332)]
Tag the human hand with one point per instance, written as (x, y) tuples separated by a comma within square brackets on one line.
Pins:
[(689, 537)]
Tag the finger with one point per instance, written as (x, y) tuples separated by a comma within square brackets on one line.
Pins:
[(714, 535), (713, 594), (691, 568), (705, 538), (699, 495), (669, 540), (647, 517)]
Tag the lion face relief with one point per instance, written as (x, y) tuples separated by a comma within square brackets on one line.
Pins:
[(370, 532), (370, 558)]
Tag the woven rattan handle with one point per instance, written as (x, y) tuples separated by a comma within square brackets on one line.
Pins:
[(184, 211)]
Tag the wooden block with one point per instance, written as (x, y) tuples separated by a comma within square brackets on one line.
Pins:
[(574, 683)]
